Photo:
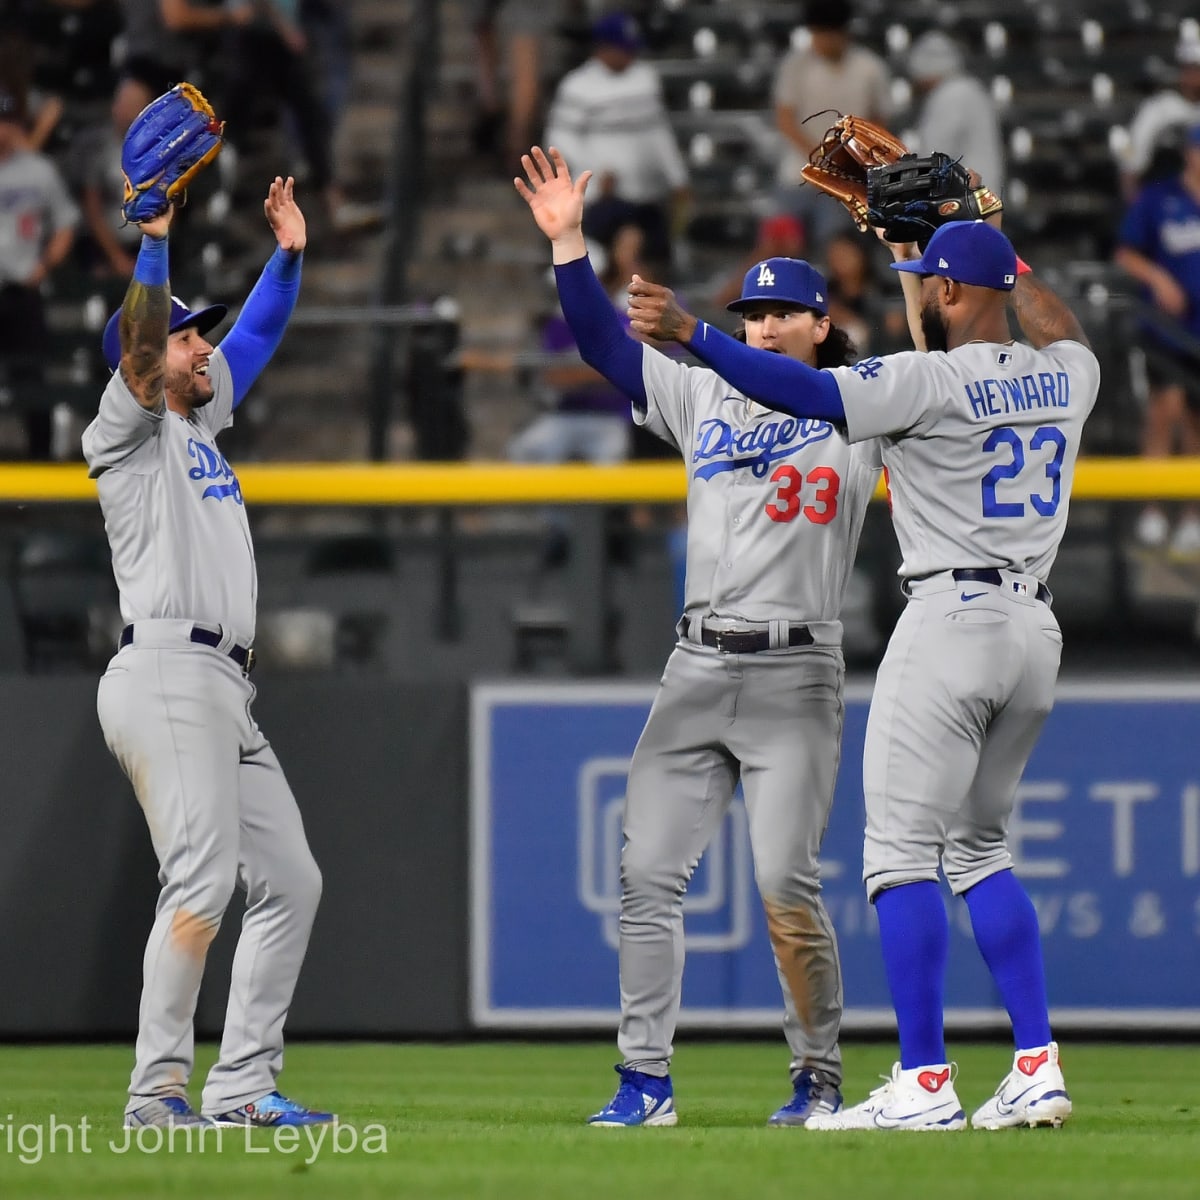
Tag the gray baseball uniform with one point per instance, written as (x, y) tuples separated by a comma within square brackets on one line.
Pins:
[(980, 446), (174, 705), (775, 508)]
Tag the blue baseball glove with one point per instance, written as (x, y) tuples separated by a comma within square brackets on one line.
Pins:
[(170, 141)]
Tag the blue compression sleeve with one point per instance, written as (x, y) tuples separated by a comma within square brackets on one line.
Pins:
[(775, 380), (1006, 931), (602, 341), (257, 332), (151, 266), (914, 934)]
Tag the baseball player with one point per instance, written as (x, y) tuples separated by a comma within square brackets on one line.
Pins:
[(753, 689), (980, 436), (175, 701)]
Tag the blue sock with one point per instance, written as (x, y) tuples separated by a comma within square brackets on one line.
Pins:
[(1006, 932), (915, 934)]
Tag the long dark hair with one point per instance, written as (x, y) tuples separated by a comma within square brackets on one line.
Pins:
[(837, 350)]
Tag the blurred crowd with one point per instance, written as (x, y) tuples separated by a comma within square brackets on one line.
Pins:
[(74, 73), (608, 114)]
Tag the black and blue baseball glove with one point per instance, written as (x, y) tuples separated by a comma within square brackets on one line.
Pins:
[(909, 198), (170, 141)]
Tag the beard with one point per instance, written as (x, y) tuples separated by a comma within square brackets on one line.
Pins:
[(188, 388), (933, 327)]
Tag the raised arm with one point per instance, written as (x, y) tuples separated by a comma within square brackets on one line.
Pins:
[(557, 206), (257, 332), (1042, 316), (146, 316), (910, 285)]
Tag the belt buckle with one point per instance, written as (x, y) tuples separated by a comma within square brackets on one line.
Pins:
[(251, 659), (719, 640)]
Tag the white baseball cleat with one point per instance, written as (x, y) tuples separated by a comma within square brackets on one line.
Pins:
[(921, 1100), (1033, 1093)]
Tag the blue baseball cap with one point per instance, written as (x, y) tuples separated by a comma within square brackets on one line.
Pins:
[(784, 281), (971, 252), (182, 317), (618, 29)]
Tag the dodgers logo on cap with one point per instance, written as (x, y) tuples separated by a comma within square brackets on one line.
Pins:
[(784, 281)]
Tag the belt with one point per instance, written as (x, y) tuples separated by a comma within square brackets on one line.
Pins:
[(242, 655), (992, 575), (750, 641)]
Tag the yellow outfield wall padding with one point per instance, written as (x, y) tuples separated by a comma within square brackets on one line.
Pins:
[(381, 484)]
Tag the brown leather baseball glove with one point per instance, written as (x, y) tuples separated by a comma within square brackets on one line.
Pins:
[(839, 165)]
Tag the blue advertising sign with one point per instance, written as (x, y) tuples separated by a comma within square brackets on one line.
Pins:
[(1105, 835)]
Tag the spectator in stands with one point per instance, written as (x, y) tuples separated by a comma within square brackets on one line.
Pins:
[(832, 73), (270, 63), (609, 113), (43, 109), (111, 244), (957, 114), (857, 303), (1159, 245), (1156, 131), (502, 127), (778, 236), (37, 228), (160, 36)]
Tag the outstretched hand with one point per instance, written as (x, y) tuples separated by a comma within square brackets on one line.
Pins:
[(655, 313), (555, 201), (284, 215)]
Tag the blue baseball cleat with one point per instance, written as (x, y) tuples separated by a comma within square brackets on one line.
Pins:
[(640, 1100), (273, 1110), (812, 1093)]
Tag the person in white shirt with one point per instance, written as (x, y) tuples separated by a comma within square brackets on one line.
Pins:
[(1159, 119), (957, 115), (609, 113), (831, 75)]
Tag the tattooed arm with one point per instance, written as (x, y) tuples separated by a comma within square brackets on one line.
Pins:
[(1042, 316), (146, 317)]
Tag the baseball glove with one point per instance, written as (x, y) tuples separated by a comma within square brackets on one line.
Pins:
[(170, 141), (909, 198), (839, 165)]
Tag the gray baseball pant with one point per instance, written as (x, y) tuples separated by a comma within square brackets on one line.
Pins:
[(775, 720), (176, 716)]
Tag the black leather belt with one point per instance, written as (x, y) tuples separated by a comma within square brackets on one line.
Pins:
[(242, 655), (749, 641), (992, 575)]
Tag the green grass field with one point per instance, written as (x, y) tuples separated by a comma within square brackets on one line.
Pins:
[(506, 1121)]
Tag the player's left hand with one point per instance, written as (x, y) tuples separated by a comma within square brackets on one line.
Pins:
[(654, 312), (284, 215)]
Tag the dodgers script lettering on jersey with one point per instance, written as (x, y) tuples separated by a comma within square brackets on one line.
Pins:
[(173, 509), (721, 446), (980, 444), (212, 465), (775, 505)]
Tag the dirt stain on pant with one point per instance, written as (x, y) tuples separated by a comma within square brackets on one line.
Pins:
[(806, 954), (193, 934)]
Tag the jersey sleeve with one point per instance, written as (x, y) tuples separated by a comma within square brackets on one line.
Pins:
[(217, 414), (1082, 365), (897, 394), (669, 409), (120, 428)]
